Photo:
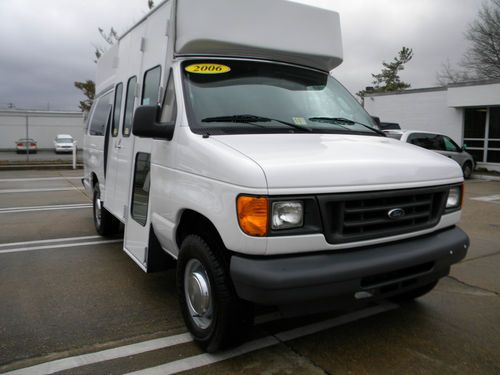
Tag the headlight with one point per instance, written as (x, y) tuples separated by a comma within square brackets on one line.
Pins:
[(454, 197), (287, 215)]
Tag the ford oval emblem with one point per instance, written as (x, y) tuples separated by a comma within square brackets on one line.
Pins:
[(396, 213)]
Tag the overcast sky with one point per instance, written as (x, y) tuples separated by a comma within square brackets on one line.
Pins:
[(46, 45)]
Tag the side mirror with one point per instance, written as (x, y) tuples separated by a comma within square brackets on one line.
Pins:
[(145, 123), (464, 148)]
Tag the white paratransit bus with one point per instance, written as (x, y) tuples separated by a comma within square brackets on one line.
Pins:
[(219, 139)]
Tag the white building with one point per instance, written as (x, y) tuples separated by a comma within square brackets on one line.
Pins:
[(467, 112), (42, 126)]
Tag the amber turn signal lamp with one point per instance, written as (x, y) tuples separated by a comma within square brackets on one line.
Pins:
[(253, 215)]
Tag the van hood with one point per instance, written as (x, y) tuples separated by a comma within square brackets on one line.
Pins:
[(318, 161)]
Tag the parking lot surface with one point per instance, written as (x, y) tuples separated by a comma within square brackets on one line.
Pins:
[(74, 303)]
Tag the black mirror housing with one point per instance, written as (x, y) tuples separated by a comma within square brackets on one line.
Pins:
[(145, 123)]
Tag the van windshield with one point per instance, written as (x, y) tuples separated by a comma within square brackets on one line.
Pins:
[(243, 97)]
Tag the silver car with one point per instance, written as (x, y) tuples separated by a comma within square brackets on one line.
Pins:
[(439, 143), (63, 143)]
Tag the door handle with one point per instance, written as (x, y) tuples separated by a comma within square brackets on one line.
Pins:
[(118, 144)]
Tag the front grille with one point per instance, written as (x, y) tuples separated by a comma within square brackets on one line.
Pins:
[(363, 216)]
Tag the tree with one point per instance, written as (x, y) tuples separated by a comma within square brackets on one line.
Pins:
[(388, 80), (482, 58), (88, 89)]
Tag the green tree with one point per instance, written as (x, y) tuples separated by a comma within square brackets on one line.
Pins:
[(388, 79), (88, 89)]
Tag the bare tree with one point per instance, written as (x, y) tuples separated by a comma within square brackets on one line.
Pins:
[(482, 58)]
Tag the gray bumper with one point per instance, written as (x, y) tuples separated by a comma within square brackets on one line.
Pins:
[(379, 271)]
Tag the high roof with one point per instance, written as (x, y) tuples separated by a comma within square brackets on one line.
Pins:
[(279, 30)]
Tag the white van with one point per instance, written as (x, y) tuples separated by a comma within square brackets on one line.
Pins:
[(219, 139)]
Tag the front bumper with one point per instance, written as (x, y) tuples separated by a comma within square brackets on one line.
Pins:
[(373, 272)]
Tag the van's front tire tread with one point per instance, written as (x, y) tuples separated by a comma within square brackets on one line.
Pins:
[(232, 317)]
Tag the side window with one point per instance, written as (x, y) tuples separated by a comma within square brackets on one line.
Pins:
[(140, 193), (151, 86), (169, 107), (129, 106), (100, 116), (418, 139), (117, 109), (450, 145), (428, 141)]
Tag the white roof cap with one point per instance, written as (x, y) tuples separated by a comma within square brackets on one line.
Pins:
[(279, 30)]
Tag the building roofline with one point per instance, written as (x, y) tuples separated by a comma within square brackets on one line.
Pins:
[(438, 88)]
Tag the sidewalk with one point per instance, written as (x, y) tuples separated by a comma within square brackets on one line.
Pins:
[(42, 159)]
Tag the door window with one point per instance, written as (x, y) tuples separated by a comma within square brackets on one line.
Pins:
[(117, 109), (151, 87), (450, 145), (129, 106), (169, 108), (429, 141), (100, 116), (140, 192)]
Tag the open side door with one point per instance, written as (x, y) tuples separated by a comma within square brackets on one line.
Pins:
[(137, 220)]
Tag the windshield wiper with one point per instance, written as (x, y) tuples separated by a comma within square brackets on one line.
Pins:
[(251, 119), (344, 121)]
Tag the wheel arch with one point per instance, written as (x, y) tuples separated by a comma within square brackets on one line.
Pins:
[(192, 222)]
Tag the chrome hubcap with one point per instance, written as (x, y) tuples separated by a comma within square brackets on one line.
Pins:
[(198, 294), (97, 210)]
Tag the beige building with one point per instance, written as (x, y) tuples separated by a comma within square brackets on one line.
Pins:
[(42, 126)]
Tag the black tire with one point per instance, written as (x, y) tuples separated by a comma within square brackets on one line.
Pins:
[(467, 169), (222, 319), (414, 293), (105, 223)]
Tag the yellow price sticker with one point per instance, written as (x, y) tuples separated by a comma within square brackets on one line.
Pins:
[(207, 68)]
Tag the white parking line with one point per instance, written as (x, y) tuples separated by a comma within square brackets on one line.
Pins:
[(197, 360), (46, 247), (488, 198), (39, 179), (66, 239), (9, 191), (9, 210), (207, 359), (104, 355)]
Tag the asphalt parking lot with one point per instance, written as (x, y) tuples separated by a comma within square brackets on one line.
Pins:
[(74, 303)]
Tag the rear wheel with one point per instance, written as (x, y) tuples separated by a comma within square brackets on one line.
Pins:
[(415, 293), (213, 313), (467, 169), (105, 223)]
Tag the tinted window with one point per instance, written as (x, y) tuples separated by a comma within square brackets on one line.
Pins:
[(494, 131), (151, 86), (428, 141), (101, 115), (117, 109), (129, 106)]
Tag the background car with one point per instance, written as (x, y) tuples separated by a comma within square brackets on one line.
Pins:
[(439, 143), (63, 143), (389, 126), (25, 145)]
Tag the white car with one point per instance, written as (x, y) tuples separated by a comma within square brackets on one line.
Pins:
[(439, 143), (63, 143)]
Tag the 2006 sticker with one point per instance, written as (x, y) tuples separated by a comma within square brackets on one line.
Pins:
[(207, 68)]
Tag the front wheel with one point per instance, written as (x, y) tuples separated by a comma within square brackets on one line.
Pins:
[(467, 169), (105, 223), (212, 312)]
